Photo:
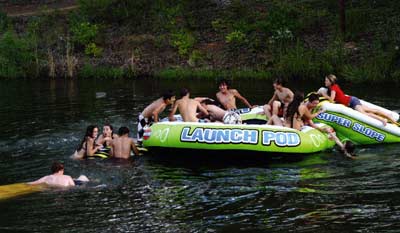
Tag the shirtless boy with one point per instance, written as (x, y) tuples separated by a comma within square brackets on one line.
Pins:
[(187, 108), (227, 97), (122, 146), (278, 103), (151, 112), (215, 113), (57, 178)]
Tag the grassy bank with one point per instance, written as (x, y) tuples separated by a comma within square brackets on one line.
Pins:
[(207, 39)]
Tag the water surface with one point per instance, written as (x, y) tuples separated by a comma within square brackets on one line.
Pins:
[(42, 121)]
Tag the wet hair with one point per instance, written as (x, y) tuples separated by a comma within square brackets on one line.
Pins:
[(56, 167), (89, 133), (184, 91), (168, 95), (279, 81), (224, 81), (350, 148), (293, 107), (332, 78), (123, 130), (312, 97)]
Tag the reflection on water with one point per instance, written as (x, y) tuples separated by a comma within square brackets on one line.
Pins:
[(44, 121)]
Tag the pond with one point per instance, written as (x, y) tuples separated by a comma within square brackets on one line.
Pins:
[(43, 121)]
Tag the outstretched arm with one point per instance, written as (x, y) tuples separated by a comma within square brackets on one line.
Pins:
[(173, 111), (39, 181), (239, 96), (202, 109), (274, 97), (157, 111), (134, 148)]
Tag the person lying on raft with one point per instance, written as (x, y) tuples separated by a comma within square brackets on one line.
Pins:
[(151, 113), (58, 179), (122, 146), (187, 108), (215, 113), (227, 96), (338, 96), (88, 146), (279, 102)]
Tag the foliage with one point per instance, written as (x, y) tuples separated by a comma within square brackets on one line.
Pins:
[(15, 56), (84, 33), (195, 58), (298, 63), (4, 21), (93, 50), (89, 71), (183, 41), (182, 73), (236, 38)]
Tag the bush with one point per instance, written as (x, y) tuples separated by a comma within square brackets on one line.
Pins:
[(16, 57), (84, 33), (298, 63), (184, 41), (89, 71)]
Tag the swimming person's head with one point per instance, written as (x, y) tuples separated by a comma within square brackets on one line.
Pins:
[(107, 129), (123, 130), (350, 148), (92, 131), (56, 167)]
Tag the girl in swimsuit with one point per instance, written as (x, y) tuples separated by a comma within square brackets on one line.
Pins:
[(107, 136), (293, 117), (88, 146)]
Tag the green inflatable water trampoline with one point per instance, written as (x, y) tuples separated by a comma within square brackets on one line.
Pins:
[(235, 137)]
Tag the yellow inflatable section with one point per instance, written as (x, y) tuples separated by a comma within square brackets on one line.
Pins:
[(18, 189)]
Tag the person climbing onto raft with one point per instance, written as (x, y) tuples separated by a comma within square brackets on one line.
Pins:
[(338, 96)]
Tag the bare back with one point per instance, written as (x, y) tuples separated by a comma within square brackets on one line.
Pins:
[(158, 105), (55, 180), (216, 113), (188, 109), (123, 146)]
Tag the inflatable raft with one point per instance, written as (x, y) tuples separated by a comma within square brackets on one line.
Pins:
[(358, 127), (237, 137)]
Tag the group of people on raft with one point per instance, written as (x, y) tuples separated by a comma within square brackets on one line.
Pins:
[(285, 108)]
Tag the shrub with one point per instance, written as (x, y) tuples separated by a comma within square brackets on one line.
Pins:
[(236, 38), (184, 41), (84, 33), (298, 63), (92, 50), (89, 71), (15, 56)]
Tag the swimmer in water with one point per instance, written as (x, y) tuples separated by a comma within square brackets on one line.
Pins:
[(58, 179)]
